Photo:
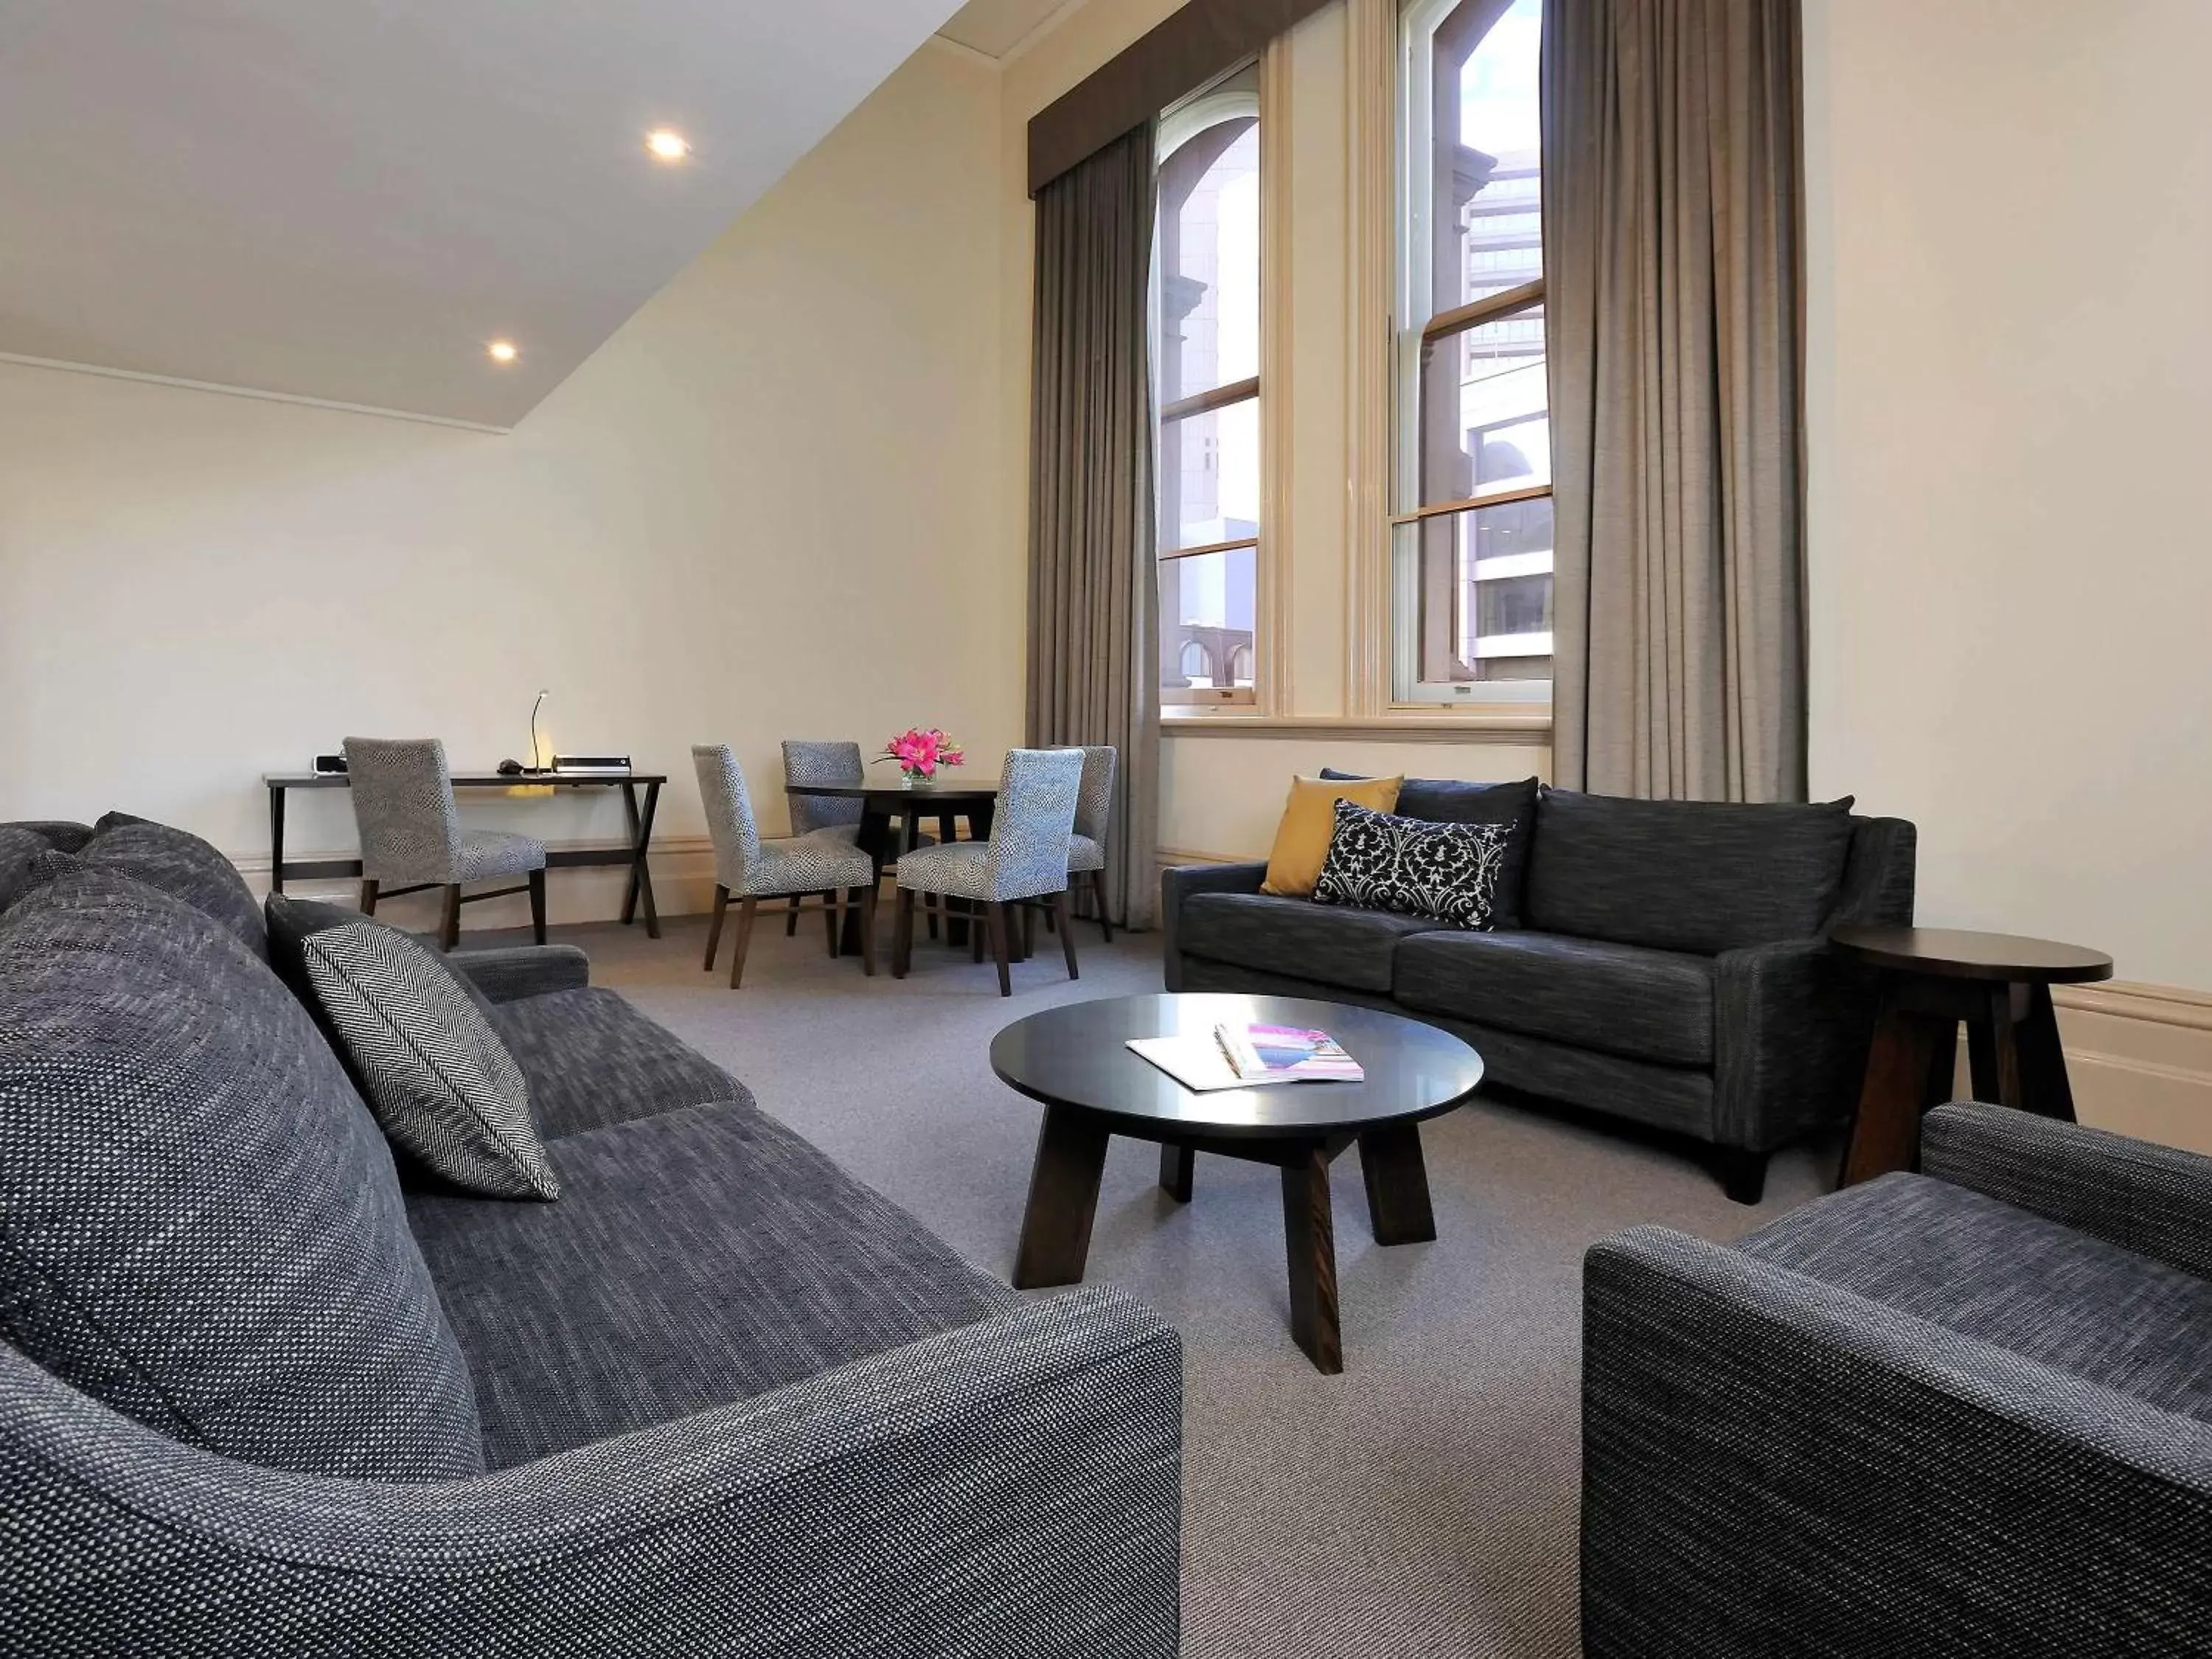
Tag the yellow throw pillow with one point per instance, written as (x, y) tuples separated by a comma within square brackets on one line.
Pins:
[(1309, 820)]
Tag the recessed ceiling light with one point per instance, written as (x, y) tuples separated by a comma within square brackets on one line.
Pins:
[(502, 351), (668, 144)]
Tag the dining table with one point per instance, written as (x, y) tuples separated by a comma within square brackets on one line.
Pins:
[(892, 817)]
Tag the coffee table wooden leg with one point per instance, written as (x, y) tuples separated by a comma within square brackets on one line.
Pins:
[(1310, 1236), (2042, 1082), (1071, 1154), (1901, 1068), (1176, 1169), (1397, 1184)]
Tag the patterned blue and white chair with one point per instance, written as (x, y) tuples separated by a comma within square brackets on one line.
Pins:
[(411, 838), (749, 869), (1094, 806), (806, 761), (1025, 857)]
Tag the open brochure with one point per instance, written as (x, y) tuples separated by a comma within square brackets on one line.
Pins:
[(1250, 1057)]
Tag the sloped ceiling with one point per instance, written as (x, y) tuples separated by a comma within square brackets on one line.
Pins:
[(996, 27), (347, 200)]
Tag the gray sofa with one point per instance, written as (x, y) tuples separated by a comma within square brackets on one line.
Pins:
[(1664, 962), (1963, 1412), (264, 1392)]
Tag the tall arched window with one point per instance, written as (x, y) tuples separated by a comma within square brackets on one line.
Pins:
[(1471, 536), (1206, 358)]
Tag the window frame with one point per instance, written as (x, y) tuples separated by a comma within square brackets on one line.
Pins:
[(1418, 329), (1214, 105)]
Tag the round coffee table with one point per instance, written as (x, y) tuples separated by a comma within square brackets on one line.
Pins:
[(1933, 978), (1077, 1061)]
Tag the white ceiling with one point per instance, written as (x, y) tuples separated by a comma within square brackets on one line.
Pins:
[(996, 27), (346, 200)]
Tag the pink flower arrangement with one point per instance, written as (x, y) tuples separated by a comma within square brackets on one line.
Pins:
[(921, 751)]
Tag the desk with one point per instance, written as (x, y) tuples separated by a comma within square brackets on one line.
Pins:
[(882, 802), (639, 818)]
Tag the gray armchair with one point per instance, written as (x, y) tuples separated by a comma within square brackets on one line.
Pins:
[(1968, 1411)]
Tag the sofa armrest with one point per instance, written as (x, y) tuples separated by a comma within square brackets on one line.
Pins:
[(527, 971), (1187, 881), (2154, 1200), (1791, 1022), (1016, 1480), (1772, 1466)]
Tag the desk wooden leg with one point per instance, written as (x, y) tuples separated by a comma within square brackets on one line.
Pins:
[(640, 870), (1908, 1068), (2044, 1088), (1310, 1240), (1071, 1154)]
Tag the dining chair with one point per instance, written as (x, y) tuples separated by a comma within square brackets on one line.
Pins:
[(411, 838), (749, 869), (808, 761), (1094, 806), (1024, 858)]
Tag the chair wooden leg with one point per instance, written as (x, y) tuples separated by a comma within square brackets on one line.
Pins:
[(449, 930), (1098, 898), (714, 927), (1028, 930), (903, 934), (791, 917), (538, 905), (367, 897), (1059, 911), (978, 933), (747, 907), (868, 931), (929, 909), (1001, 926), (832, 917)]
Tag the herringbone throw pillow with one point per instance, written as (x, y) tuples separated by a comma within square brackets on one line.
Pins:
[(439, 1078)]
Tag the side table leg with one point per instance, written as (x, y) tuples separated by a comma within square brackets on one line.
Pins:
[(1397, 1184), (1310, 1238), (1901, 1070), (1071, 1155), (2043, 1087), (1176, 1164)]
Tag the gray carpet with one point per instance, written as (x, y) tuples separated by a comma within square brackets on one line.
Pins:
[(1424, 1502)]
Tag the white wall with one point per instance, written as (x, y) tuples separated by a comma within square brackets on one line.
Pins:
[(766, 508), (2010, 402)]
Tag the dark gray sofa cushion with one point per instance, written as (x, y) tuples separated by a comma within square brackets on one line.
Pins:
[(203, 1229), (1617, 999), (694, 1259), (20, 850), (182, 866), (1708, 876), (2037, 1287), (1450, 800), (59, 834), (1330, 944), (592, 1059)]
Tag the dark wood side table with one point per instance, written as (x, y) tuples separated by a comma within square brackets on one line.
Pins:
[(1076, 1060), (1933, 979)]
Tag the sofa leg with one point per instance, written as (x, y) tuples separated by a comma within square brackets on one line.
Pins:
[(1742, 1173)]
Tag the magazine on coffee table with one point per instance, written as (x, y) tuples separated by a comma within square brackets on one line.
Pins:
[(1234, 1057)]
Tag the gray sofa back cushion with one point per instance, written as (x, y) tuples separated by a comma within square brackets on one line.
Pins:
[(1450, 800), (1705, 876), (20, 849), (203, 1226), (182, 866)]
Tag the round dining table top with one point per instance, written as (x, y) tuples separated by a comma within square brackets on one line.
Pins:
[(923, 793)]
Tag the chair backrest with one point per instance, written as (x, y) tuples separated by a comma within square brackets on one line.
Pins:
[(1034, 822), (1094, 800), (730, 820), (402, 803), (806, 761)]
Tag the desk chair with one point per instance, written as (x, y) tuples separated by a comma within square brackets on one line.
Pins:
[(411, 838), (749, 869), (1026, 857)]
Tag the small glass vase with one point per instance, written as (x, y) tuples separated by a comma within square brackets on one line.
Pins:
[(912, 779)]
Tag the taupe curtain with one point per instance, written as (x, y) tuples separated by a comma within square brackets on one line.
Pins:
[(1671, 283), (1094, 655)]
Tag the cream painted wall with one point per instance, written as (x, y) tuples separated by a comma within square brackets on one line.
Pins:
[(765, 508), (2009, 398)]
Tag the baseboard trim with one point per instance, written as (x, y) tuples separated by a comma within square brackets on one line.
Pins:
[(2155, 1004)]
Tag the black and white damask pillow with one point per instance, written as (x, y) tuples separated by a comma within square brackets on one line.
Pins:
[(1379, 861), (436, 1075)]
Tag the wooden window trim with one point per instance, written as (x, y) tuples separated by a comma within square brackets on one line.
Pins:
[(1204, 403), (1491, 309)]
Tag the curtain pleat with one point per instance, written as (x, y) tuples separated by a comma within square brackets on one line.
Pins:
[(1671, 287), (1093, 664)]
